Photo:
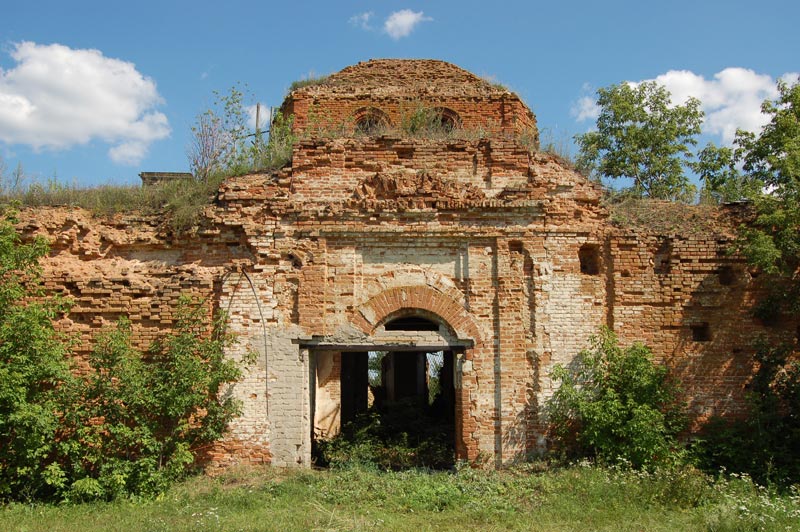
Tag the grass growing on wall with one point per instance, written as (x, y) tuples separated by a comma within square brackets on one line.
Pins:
[(182, 202)]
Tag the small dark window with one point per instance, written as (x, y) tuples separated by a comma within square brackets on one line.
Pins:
[(447, 123), (701, 332), (411, 323), (448, 119), (368, 125), (727, 276), (297, 263), (515, 246), (589, 256), (663, 258), (370, 121)]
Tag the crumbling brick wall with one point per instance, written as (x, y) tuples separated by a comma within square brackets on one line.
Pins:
[(510, 252), (394, 88), (691, 301), (522, 274)]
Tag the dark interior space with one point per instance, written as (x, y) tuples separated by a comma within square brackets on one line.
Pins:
[(397, 406)]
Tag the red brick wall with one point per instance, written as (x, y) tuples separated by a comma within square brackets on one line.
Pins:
[(336, 114), (663, 286)]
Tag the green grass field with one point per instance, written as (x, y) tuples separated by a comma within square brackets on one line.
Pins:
[(533, 498)]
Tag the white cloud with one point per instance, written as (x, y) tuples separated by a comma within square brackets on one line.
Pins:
[(263, 118), (790, 78), (731, 99), (362, 20), (401, 23), (585, 108), (130, 153), (56, 97)]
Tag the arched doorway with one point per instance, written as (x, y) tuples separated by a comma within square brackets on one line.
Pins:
[(398, 390)]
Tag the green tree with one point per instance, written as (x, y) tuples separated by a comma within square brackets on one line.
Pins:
[(33, 367), (616, 405), (765, 443), (222, 143), (722, 179), (136, 422), (641, 135), (772, 157)]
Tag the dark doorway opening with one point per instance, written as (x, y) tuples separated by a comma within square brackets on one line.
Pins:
[(397, 411), (354, 386)]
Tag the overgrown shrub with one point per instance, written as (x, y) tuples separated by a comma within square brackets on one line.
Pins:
[(278, 150), (33, 367), (426, 122), (129, 423), (222, 144), (616, 405), (133, 423), (400, 436), (765, 444)]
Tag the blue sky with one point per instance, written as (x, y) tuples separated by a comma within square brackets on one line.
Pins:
[(95, 92)]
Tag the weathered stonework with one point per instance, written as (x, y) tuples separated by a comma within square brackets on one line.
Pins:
[(386, 89), (510, 253)]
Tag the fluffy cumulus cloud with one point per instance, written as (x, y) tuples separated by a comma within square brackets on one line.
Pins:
[(56, 97), (731, 99), (401, 23)]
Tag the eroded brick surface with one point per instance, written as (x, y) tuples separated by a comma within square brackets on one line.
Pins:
[(395, 87), (511, 252)]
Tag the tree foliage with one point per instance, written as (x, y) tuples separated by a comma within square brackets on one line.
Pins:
[(130, 423), (222, 144), (765, 443), (773, 158), (616, 405), (135, 422), (722, 179), (641, 135), (33, 367), (774, 155)]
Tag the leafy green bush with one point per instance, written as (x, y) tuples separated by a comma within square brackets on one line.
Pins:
[(32, 367), (764, 444), (616, 405), (399, 436), (132, 424), (127, 424)]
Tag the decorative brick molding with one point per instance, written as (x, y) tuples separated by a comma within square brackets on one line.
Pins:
[(393, 301)]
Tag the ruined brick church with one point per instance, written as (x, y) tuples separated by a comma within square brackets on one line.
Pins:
[(500, 259)]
